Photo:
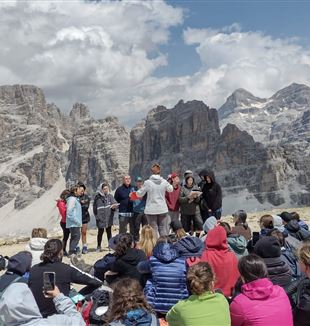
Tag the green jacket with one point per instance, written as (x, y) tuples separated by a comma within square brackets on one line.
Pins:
[(208, 309)]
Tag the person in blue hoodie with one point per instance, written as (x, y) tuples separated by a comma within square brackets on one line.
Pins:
[(167, 282), (128, 306)]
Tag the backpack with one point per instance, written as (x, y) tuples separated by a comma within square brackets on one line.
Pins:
[(99, 298)]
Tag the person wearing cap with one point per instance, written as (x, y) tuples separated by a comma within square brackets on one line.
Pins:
[(172, 198), (104, 208), (241, 226), (139, 217), (156, 209)]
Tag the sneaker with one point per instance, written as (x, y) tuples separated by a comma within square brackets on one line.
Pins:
[(84, 250), (98, 249), (66, 254), (77, 250)]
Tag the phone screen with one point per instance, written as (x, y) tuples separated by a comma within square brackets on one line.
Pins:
[(255, 238), (49, 279)]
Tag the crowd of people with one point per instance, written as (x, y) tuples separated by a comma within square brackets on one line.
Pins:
[(178, 264)]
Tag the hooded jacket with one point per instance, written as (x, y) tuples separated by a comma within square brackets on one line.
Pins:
[(222, 260), (102, 209), (187, 207), (261, 303), (36, 247), (137, 317), (62, 208), (126, 265), (189, 247), (212, 193), (296, 231), (74, 212), (18, 307), (155, 188), (238, 244), (168, 278)]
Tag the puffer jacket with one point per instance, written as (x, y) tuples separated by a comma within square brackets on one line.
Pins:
[(18, 307), (237, 243), (168, 278), (189, 247), (278, 271), (261, 303), (296, 231), (137, 317)]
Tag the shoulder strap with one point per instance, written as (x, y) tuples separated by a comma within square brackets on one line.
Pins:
[(14, 281)]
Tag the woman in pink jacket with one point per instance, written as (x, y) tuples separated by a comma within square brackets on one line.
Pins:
[(260, 303)]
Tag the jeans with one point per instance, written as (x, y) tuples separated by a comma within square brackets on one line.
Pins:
[(159, 223), (74, 239), (137, 220), (66, 233), (123, 222)]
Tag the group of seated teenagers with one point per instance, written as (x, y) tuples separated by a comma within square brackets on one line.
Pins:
[(228, 276)]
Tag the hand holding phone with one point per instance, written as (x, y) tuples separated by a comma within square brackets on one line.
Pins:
[(49, 281), (53, 293)]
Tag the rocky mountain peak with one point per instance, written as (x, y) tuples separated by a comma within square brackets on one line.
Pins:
[(293, 95), (79, 113)]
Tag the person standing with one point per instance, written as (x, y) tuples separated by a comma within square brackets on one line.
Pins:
[(125, 205), (211, 196), (62, 208), (74, 218), (156, 209), (85, 201), (104, 208), (172, 198), (139, 217)]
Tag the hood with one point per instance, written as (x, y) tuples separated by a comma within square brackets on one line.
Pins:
[(132, 256), (292, 226), (18, 306), (99, 189), (156, 178), (165, 252), (137, 317), (37, 243), (20, 263), (258, 289), (267, 247), (208, 173), (217, 239), (237, 243), (278, 223), (209, 224), (189, 246)]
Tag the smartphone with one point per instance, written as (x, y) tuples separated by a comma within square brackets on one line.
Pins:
[(255, 238), (49, 280)]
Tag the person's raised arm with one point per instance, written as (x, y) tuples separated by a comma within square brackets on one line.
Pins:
[(80, 277), (143, 190), (169, 187)]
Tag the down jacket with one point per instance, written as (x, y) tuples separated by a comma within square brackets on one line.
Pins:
[(168, 278), (189, 247)]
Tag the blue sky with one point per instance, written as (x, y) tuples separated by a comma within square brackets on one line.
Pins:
[(280, 19)]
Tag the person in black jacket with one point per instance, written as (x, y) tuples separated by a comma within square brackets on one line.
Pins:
[(293, 228), (211, 195), (127, 259), (65, 275), (85, 201)]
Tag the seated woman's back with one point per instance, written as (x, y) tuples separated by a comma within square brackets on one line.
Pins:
[(260, 302), (223, 262), (168, 278), (203, 307)]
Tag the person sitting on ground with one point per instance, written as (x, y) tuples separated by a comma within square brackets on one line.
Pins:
[(177, 231), (266, 224), (293, 228), (189, 204), (65, 275), (127, 258), (128, 305), (236, 242), (209, 224), (17, 266), (301, 223), (36, 244), (260, 302), (167, 270), (104, 207), (204, 306), (269, 249), (223, 262), (286, 253), (18, 307), (147, 241), (62, 208), (241, 226), (186, 245), (156, 209)]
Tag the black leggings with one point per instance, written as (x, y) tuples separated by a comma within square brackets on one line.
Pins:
[(100, 233), (66, 233)]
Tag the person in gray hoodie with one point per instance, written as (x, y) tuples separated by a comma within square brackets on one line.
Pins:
[(18, 307), (156, 209)]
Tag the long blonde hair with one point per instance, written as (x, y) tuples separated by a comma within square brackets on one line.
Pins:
[(147, 241)]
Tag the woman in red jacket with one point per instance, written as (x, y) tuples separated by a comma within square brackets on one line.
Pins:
[(223, 262), (62, 208)]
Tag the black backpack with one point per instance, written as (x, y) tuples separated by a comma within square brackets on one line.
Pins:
[(100, 298)]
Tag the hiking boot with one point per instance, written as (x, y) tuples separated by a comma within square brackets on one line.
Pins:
[(98, 249), (84, 250)]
